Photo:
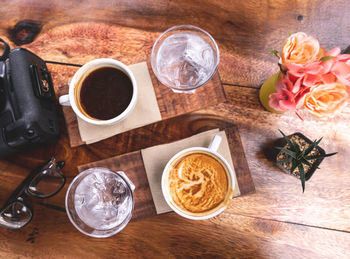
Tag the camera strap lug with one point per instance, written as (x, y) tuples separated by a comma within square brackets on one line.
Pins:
[(6, 52)]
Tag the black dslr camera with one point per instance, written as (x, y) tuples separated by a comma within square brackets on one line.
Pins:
[(28, 115)]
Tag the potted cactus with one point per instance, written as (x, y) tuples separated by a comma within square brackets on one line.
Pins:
[(300, 156)]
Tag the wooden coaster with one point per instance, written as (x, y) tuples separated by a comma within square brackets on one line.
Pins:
[(170, 104), (133, 166)]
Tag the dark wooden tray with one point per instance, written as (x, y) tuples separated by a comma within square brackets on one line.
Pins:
[(132, 164), (170, 104)]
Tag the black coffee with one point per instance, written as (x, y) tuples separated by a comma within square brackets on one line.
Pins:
[(105, 93)]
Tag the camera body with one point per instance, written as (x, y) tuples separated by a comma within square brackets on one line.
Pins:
[(28, 116)]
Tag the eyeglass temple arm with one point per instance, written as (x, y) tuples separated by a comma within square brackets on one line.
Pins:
[(20, 190)]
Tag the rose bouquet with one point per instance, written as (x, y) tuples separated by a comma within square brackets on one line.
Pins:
[(311, 78)]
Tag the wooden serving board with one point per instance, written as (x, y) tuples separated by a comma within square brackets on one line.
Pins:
[(132, 164), (170, 104)]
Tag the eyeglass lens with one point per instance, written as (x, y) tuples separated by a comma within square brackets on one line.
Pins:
[(46, 183), (15, 215)]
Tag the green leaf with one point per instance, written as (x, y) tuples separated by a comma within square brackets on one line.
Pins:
[(320, 156), (287, 160), (296, 147), (290, 34), (326, 58), (287, 151), (275, 52), (302, 176), (291, 145), (294, 165), (312, 146), (304, 161)]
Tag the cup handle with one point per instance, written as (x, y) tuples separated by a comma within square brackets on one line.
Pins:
[(132, 186), (64, 100), (215, 143)]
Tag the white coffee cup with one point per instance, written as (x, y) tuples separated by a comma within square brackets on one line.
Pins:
[(212, 151), (70, 98)]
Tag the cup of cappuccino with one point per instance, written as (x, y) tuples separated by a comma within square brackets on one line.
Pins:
[(102, 92), (198, 183)]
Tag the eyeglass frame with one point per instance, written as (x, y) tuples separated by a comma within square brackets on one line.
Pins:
[(21, 192)]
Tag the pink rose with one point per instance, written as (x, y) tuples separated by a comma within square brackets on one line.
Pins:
[(341, 69), (337, 68), (290, 93), (309, 73)]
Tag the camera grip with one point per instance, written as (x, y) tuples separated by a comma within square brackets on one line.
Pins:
[(64, 100)]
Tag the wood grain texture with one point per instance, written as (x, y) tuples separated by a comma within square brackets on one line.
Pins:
[(245, 31), (132, 165), (170, 104), (244, 178), (232, 234), (174, 104), (170, 236), (248, 228), (279, 196), (278, 221)]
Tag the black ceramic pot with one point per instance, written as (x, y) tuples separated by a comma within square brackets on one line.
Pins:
[(315, 164)]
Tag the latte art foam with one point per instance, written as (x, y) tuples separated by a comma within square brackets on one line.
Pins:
[(198, 183)]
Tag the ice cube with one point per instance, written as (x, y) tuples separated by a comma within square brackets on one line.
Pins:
[(102, 200), (185, 60)]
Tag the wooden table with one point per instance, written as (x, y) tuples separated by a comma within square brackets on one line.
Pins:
[(278, 221)]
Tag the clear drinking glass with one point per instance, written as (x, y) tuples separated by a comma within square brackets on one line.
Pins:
[(99, 202), (184, 58)]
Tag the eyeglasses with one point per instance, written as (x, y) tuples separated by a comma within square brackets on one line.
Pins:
[(43, 182)]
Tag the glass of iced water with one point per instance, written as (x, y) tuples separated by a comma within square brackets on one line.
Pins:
[(99, 202), (184, 58)]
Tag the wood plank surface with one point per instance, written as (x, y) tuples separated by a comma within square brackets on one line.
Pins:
[(169, 236), (245, 31), (279, 196), (243, 176), (170, 104), (250, 229), (132, 165), (174, 104), (278, 221)]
